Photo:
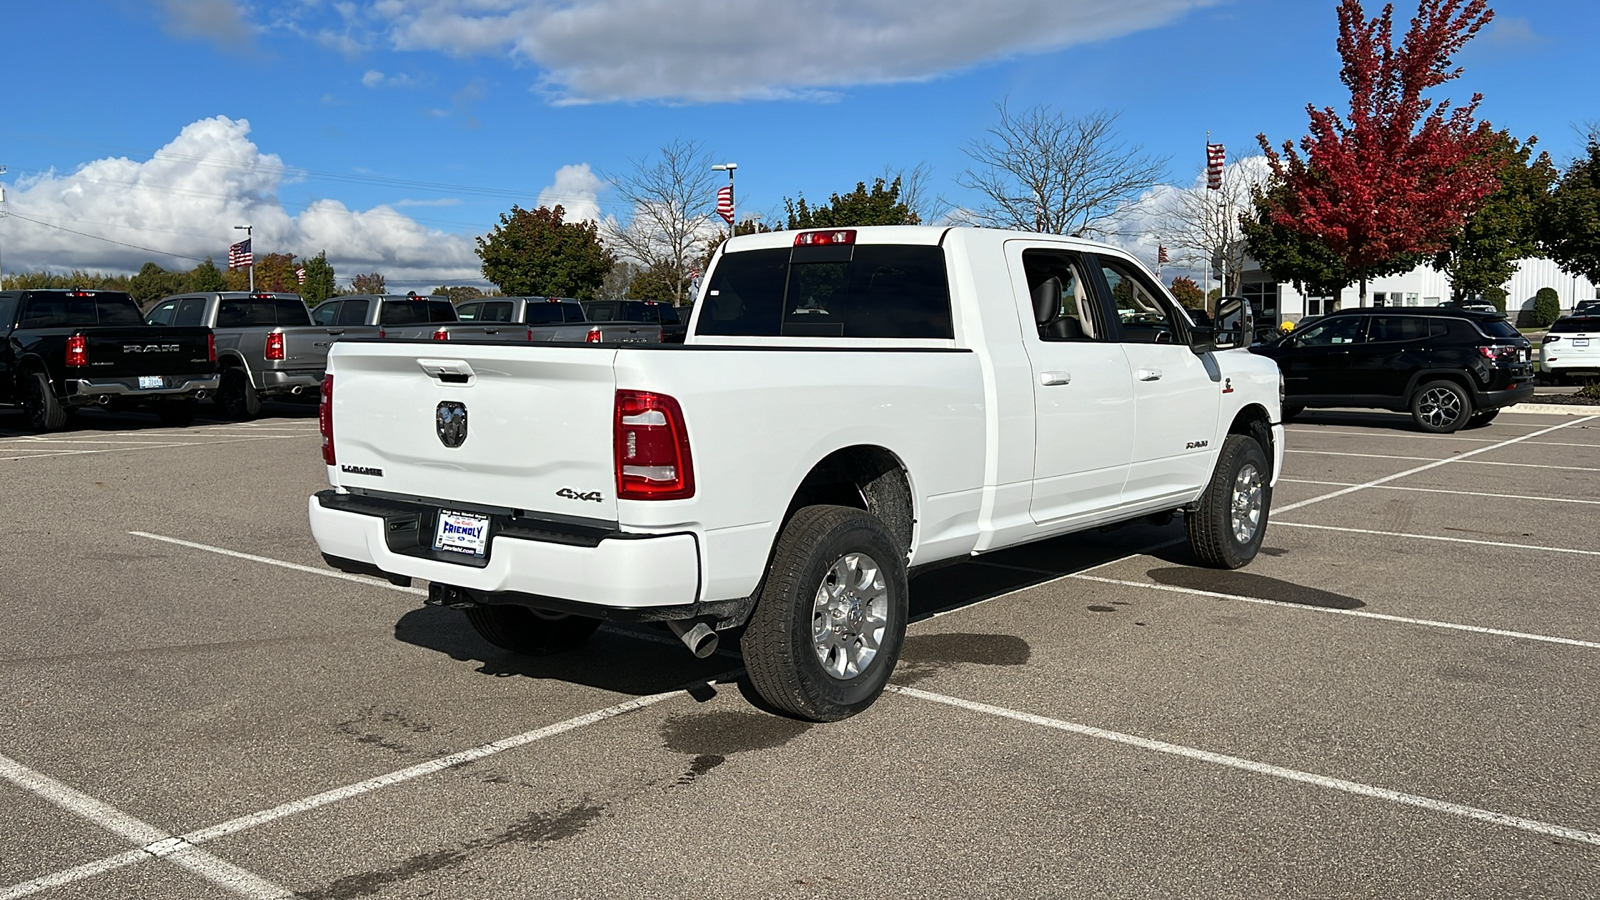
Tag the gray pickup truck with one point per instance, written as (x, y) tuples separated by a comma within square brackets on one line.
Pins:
[(405, 316), (548, 319), (266, 344)]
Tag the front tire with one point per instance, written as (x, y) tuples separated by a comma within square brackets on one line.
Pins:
[(530, 632), (1441, 407), (238, 396), (43, 410), (1227, 526), (831, 618)]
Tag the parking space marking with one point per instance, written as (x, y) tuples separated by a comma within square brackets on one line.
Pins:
[(163, 445), (1475, 462), (183, 849), (1396, 487), (1357, 613), (1435, 537), (1431, 465), (359, 579), (1533, 826), (1444, 437), (154, 843)]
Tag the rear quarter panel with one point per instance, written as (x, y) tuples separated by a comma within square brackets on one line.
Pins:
[(760, 419)]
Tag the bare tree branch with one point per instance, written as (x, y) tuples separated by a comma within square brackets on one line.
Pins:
[(673, 200), (1202, 225), (1045, 171)]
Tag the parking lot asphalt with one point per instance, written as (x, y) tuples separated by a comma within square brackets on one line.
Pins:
[(1394, 700)]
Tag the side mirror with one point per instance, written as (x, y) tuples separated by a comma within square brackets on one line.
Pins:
[(1233, 326), (1202, 339)]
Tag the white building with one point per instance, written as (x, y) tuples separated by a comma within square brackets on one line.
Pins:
[(1422, 286)]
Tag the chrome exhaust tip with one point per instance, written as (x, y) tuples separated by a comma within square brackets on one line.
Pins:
[(696, 635)]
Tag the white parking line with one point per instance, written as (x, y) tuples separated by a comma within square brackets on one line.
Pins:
[(1443, 437), (154, 843), (1357, 613), (154, 446), (1431, 465), (329, 573), (183, 849), (1396, 487), (1475, 462), (1260, 768), (1435, 537)]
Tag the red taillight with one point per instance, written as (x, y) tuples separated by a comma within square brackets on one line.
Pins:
[(661, 336), (651, 448), (1550, 339), (824, 238), (594, 336), (77, 351), (441, 335), (275, 345), (325, 419), (211, 348)]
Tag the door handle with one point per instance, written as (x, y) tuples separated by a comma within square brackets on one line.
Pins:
[(491, 331), (340, 331), (1049, 378), (1149, 374)]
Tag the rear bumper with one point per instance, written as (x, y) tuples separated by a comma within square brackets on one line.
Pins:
[(1521, 393), (285, 381), (619, 571), (174, 387)]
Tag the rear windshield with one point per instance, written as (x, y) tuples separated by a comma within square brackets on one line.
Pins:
[(1575, 323), (258, 311), (871, 290), (540, 312), (1499, 328), (88, 308), (416, 312)]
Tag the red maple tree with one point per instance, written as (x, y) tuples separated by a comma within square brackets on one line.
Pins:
[(1401, 174)]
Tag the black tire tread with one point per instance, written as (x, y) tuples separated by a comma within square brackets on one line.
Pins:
[(237, 396), (1206, 528), (51, 416), (1466, 406)]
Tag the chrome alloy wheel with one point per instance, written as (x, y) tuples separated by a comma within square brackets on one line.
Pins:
[(850, 615), (1244, 515), (1439, 407)]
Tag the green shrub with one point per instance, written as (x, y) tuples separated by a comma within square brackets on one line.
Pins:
[(1546, 308), (1497, 296)]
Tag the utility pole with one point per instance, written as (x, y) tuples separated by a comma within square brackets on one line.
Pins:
[(248, 230)]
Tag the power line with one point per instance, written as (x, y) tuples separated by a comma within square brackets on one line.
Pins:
[(106, 239)]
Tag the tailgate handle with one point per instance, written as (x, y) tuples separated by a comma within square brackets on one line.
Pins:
[(448, 371)]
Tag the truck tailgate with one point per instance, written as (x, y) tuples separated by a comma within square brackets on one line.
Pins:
[(538, 424), (146, 350)]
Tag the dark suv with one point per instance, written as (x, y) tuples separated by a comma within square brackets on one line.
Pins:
[(1447, 366)]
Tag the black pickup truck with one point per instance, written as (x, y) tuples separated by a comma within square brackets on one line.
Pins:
[(66, 349)]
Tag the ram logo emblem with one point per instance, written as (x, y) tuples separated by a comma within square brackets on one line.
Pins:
[(1196, 445), (451, 423)]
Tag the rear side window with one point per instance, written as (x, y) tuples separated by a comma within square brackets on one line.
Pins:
[(325, 312), (602, 312), (874, 291), (1397, 328), (8, 310), (352, 312), (668, 314), (1499, 328), (1568, 325), (498, 311), (572, 312)]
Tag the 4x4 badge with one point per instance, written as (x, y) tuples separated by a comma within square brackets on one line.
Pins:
[(451, 423)]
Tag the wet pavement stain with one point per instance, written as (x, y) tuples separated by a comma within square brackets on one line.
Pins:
[(714, 736), (1274, 551), (927, 654), (379, 730), (1260, 587), (534, 830), (1098, 608)]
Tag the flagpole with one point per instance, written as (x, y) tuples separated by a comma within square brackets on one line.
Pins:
[(248, 230), (1205, 216)]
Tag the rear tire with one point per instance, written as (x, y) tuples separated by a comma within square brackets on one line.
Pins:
[(1227, 526), (831, 618), (237, 396), (177, 413), (1441, 407), (43, 410), (530, 632)]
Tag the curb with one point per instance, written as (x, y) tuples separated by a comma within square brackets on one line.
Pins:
[(1554, 409)]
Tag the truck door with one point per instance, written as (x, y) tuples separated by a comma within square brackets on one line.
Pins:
[(1083, 395), (1177, 393)]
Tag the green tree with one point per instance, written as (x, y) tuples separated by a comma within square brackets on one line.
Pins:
[(1484, 252), (879, 206), (320, 283), (275, 272), (458, 294), (1188, 293), (153, 282), (369, 283), (1570, 225), (748, 226), (1496, 295), (659, 282), (206, 277), (535, 253), (1546, 308)]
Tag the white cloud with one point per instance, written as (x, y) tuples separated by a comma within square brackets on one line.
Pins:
[(577, 189), (1513, 32), (700, 50), (218, 21), (376, 79), (184, 202)]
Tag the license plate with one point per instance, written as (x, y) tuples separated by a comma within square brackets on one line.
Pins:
[(147, 382), (461, 533), (1580, 342)]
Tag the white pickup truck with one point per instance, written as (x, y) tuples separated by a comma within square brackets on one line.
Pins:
[(849, 404)]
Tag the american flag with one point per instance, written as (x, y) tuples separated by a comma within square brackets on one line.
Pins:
[(1161, 255), (725, 203), (300, 274), (1215, 157), (239, 255)]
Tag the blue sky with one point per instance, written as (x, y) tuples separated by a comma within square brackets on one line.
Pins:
[(390, 133)]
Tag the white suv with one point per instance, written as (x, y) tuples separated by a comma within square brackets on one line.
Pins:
[(1571, 349)]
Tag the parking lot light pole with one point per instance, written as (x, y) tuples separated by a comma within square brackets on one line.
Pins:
[(732, 218), (247, 229)]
